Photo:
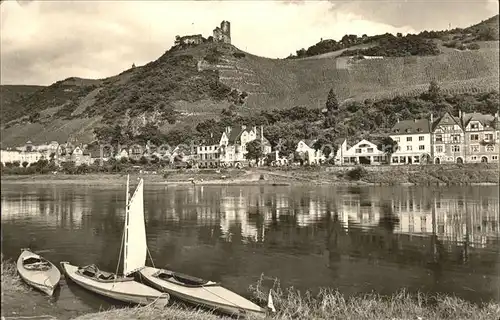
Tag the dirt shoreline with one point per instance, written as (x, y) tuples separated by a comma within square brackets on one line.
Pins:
[(399, 176)]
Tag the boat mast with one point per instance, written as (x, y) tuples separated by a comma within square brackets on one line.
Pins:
[(125, 243)]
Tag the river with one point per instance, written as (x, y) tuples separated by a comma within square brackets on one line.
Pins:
[(356, 239)]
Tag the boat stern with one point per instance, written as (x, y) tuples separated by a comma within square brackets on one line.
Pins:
[(160, 301)]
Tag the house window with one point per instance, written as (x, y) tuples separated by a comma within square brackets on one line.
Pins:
[(396, 139), (474, 126), (488, 137), (474, 148), (421, 147), (346, 160), (455, 148), (376, 159), (416, 159), (455, 138), (408, 138), (439, 148), (439, 138), (474, 137), (490, 148), (421, 138), (402, 159), (358, 150), (408, 148), (395, 159), (494, 157), (370, 150), (473, 158)]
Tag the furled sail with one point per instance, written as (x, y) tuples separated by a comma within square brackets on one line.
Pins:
[(135, 233)]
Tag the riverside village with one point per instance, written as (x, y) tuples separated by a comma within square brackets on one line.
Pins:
[(211, 160), (462, 138)]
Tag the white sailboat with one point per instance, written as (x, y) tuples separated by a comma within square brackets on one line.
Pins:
[(200, 292), (123, 287)]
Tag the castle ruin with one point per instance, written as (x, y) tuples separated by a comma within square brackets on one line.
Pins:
[(223, 33)]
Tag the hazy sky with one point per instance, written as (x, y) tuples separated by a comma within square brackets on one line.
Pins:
[(46, 41)]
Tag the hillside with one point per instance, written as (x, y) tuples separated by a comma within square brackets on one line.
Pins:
[(425, 43), (188, 85), (11, 94)]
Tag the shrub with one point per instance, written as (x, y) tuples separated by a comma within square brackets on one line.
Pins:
[(357, 173), (239, 55)]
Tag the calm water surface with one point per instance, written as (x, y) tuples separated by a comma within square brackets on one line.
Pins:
[(358, 240)]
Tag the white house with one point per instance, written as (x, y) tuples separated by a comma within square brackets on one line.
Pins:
[(414, 142), (312, 156), (230, 149), (363, 152), (482, 137), (10, 156)]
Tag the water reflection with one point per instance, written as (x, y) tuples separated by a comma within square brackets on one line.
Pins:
[(355, 239)]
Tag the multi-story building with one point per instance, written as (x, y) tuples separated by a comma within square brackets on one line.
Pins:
[(11, 156), (482, 137), (413, 139), (208, 153), (363, 152), (448, 139), (230, 149), (311, 155)]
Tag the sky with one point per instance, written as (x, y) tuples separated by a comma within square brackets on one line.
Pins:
[(46, 41)]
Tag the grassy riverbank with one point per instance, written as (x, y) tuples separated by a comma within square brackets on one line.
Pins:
[(290, 304), (367, 175)]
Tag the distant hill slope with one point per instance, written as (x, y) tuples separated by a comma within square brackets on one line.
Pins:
[(422, 44), (10, 95), (190, 84)]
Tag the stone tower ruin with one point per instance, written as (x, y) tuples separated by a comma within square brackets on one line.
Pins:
[(223, 33)]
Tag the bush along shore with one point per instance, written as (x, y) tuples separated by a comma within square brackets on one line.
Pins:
[(289, 304), (467, 174)]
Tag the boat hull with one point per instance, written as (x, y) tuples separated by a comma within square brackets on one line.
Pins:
[(210, 295), (128, 291), (45, 281)]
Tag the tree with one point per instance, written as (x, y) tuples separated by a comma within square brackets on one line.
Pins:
[(143, 160), (332, 103), (254, 150), (433, 93), (25, 164), (388, 146), (325, 145)]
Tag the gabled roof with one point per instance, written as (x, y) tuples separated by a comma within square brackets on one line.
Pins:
[(309, 142), (236, 133), (411, 126), (484, 119), (447, 119)]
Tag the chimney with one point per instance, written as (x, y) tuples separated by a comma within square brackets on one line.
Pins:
[(261, 133), (228, 130), (415, 120), (460, 114), (397, 119), (432, 118), (496, 115)]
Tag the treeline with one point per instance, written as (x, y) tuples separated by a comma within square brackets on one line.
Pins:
[(412, 44), (113, 165), (369, 119)]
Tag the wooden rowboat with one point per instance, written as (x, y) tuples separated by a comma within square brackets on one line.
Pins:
[(38, 272)]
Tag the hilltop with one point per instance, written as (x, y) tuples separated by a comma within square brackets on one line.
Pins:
[(192, 83)]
